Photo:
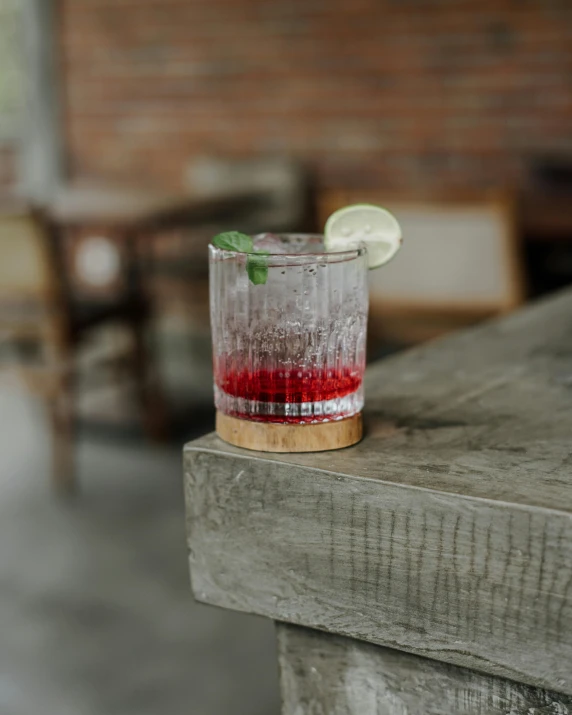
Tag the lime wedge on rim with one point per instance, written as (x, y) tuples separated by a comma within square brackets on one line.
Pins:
[(364, 223)]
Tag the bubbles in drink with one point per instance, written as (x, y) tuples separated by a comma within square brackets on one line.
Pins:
[(292, 351)]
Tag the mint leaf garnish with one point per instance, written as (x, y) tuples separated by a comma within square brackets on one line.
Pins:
[(233, 241), (256, 263), (257, 267)]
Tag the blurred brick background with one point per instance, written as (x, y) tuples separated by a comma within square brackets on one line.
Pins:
[(410, 94)]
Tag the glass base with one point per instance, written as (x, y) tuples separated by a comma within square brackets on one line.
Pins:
[(269, 437), (336, 409)]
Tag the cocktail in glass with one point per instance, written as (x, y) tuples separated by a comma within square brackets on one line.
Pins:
[(289, 348)]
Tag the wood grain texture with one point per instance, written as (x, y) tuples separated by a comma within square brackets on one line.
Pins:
[(446, 532), (329, 675), (470, 582), (270, 437)]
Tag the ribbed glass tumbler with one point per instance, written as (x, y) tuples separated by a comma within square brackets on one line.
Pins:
[(290, 350)]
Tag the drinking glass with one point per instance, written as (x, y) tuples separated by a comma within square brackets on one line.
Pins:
[(290, 350)]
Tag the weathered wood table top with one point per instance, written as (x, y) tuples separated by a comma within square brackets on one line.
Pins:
[(446, 533), (123, 207)]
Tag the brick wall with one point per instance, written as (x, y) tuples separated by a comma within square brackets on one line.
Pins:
[(395, 93)]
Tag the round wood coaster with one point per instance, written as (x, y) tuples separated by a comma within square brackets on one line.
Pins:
[(270, 437)]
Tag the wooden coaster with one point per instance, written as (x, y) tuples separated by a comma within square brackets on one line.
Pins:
[(270, 437)]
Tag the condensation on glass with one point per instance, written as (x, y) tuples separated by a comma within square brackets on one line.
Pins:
[(291, 350)]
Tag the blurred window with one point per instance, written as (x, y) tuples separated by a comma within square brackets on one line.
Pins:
[(11, 67)]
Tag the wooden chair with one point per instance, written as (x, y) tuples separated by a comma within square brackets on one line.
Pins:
[(460, 263), (43, 328)]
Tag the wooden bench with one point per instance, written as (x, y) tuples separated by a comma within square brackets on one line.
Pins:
[(427, 570)]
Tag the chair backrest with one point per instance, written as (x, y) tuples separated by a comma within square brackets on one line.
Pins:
[(32, 296), (462, 253), (27, 269), (460, 262), (33, 320), (453, 254)]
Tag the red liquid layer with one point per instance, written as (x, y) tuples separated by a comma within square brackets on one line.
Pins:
[(292, 386)]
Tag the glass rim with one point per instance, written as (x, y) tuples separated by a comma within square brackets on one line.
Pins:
[(357, 250)]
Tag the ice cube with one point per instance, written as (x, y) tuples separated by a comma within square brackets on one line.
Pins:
[(270, 242)]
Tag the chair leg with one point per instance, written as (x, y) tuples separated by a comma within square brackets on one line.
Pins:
[(63, 443), (151, 399)]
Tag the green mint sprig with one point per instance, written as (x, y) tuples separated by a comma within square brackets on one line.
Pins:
[(256, 262), (257, 267)]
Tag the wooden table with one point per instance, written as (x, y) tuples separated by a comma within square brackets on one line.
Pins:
[(101, 225), (125, 207), (427, 570)]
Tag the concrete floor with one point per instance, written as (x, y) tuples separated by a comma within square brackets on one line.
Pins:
[(96, 616)]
